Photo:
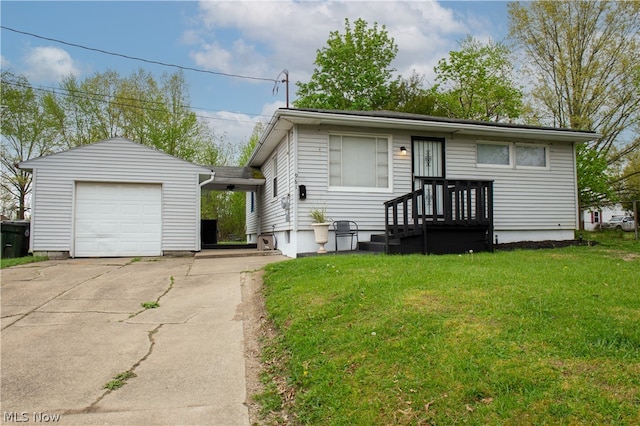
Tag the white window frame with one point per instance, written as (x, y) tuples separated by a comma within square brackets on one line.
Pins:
[(513, 160), (496, 143), (387, 189)]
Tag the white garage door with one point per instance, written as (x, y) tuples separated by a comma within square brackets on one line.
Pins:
[(113, 219)]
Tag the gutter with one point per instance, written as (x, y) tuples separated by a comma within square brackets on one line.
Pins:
[(270, 127)]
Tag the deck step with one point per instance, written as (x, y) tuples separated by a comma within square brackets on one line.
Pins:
[(376, 246)]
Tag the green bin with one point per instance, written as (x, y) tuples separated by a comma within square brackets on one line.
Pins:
[(15, 238)]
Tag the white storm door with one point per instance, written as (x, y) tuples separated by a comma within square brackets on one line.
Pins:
[(117, 219)]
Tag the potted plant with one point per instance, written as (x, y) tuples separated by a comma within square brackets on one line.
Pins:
[(320, 227)]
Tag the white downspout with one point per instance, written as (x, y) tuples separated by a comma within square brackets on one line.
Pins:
[(213, 175), (198, 218)]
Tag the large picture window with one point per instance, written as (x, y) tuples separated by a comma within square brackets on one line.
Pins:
[(359, 161)]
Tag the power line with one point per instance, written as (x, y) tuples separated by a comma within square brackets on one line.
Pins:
[(135, 58), (116, 101), (72, 92)]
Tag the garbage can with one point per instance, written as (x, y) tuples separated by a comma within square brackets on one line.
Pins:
[(209, 231), (15, 238)]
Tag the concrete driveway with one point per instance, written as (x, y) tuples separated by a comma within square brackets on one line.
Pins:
[(70, 326)]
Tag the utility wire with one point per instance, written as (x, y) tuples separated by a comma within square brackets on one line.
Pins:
[(116, 101), (74, 92), (137, 58)]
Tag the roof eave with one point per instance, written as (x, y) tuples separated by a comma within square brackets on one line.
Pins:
[(284, 119)]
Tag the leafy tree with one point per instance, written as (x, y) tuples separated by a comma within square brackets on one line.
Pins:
[(409, 95), (105, 105), (476, 82), (352, 72), (631, 179), (137, 107), (229, 207), (84, 112), (584, 60), (25, 135)]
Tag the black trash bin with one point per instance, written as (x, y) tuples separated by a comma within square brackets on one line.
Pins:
[(209, 231), (15, 238)]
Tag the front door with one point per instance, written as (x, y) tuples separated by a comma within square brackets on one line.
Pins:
[(428, 162)]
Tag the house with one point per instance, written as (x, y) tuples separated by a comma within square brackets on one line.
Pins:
[(427, 184), (594, 218), (115, 198)]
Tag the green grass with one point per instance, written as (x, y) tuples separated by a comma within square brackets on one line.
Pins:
[(7, 263), (119, 380), (522, 337)]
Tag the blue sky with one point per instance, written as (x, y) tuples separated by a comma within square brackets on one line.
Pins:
[(249, 38)]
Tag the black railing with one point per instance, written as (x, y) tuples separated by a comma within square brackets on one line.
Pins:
[(440, 202)]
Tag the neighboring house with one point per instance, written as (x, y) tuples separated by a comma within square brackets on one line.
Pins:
[(593, 219), (115, 198), (504, 182)]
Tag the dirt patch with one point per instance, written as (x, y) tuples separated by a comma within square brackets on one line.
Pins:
[(255, 326), (534, 245), (258, 330)]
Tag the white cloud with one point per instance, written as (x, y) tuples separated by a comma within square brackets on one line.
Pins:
[(49, 64), (232, 127), (236, 127), (269, 109), (288, 33), (4, 62)]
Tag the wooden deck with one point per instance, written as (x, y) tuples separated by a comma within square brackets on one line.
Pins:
[(443, 216)]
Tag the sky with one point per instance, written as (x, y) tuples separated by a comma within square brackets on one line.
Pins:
[(256, 39)]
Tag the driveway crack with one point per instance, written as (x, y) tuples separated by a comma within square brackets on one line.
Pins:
[(26, 314), (171, 282), (93, 406)]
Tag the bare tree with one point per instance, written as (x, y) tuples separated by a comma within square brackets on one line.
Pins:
[(584, 60)]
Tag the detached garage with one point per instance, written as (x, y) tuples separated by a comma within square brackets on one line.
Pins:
[(115, 198)]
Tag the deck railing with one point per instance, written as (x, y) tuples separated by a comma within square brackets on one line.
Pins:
[(440, 202)]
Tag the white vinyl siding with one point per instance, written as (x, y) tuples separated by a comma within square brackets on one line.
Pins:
[(115, 161), (525, 198), (363, 204), (270, 208)]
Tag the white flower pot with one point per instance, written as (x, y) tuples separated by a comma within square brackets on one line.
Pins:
[(321, 232)]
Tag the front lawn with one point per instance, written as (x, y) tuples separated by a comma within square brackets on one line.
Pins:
[(521, 337)]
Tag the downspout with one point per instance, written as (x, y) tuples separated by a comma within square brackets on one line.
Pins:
[(579, 224), (199, 219), (213, 175)]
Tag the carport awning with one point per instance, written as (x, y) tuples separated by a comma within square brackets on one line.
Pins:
[(229, 178)]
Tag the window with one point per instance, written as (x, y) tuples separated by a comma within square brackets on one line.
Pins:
[(359, 161), (253, 202), (595, 217), (493, 154), (531, 156), (274, 175), (506, 154)]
